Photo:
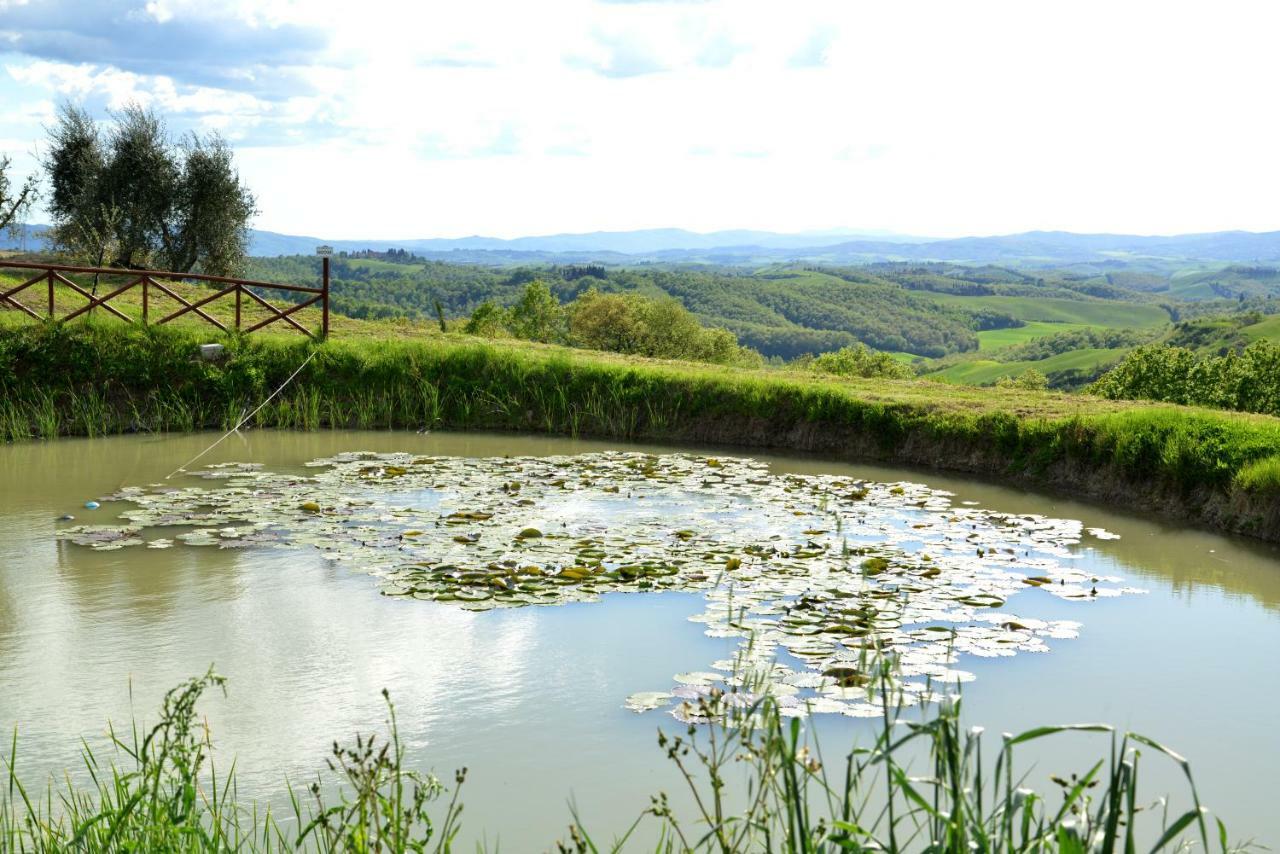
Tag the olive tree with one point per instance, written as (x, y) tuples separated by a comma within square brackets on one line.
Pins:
[(130, 196)]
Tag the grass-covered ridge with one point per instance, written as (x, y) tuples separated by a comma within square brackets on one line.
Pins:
[(98, 379)]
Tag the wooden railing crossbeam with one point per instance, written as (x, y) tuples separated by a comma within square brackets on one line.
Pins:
[(101, 301), (22, 287), (189, 305), (195, 306), (280, 315), (90, 297), (284, 314), (8, 300)]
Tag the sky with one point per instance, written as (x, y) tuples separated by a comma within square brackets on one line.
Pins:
[(446, 118)]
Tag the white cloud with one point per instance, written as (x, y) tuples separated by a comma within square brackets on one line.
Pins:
[(936, 117)]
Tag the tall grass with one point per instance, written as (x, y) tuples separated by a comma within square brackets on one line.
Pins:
[(756, 782), (1260, 476), (159, 791), (922, 784), (93, 380)]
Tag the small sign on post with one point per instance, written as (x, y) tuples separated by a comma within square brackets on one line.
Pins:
[(324, 251)]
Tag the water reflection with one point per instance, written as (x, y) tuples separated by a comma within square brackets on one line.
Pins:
[(531, 699)]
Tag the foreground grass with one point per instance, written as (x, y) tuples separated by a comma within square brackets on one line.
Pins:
[(94, 379), (756, 782)]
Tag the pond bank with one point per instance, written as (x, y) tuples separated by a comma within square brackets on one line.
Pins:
[(1214, 468)]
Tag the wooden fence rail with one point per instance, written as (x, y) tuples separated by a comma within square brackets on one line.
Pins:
[(52, 275)]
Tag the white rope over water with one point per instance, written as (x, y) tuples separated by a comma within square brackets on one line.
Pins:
[(244, 420)]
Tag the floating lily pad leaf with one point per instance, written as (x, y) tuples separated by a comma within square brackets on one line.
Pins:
[(819, 572), (647, 701)]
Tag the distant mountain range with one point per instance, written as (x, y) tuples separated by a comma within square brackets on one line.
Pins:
[(675, 245), (840, 246), (649, 241)]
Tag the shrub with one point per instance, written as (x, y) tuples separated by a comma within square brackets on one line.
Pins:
[(1247, 381), (859, 361)]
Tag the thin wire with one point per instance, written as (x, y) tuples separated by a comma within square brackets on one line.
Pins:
[(244, 420)]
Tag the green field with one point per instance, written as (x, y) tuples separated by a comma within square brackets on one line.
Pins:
[(1268, 329), (1084, 312), (1227, 282), (994, 339), (987, 371)]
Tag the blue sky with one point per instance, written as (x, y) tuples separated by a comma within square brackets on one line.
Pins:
[(444, 118)]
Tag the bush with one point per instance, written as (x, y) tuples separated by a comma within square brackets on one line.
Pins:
[(1248, 381), (858, 361), (489, 321), (1030, 379)]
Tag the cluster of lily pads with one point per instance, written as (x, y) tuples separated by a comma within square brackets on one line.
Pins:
[(811, 572)]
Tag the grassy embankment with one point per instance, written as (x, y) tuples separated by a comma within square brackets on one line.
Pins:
[(103, 377)]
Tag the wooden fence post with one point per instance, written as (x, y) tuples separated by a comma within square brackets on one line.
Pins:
[(324, 326)]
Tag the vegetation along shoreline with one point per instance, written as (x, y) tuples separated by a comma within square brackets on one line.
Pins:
[(1216, 468)]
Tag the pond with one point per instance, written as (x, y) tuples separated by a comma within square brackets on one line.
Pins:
[(532, 699)]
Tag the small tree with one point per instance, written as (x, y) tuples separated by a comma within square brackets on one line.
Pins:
[(14, 201), (607, 322), (538, 315), (489, 320)]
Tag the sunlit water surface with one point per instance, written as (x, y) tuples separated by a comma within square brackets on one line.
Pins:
[(530, 699)]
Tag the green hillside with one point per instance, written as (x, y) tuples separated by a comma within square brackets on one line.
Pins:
[(1230, 282), (1060, 369), (1216, 335), (1086, 312), (995, 339), (1268, 329)]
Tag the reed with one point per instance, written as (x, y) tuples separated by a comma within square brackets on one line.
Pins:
[(921, 784)]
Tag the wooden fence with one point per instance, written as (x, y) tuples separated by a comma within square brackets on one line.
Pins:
[(161, 283)]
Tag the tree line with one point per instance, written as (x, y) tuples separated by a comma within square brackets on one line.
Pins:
[(784, 313)]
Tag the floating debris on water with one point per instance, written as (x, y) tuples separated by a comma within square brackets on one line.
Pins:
[(812, 573)]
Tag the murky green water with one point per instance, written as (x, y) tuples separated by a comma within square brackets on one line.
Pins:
[(531, 699)]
